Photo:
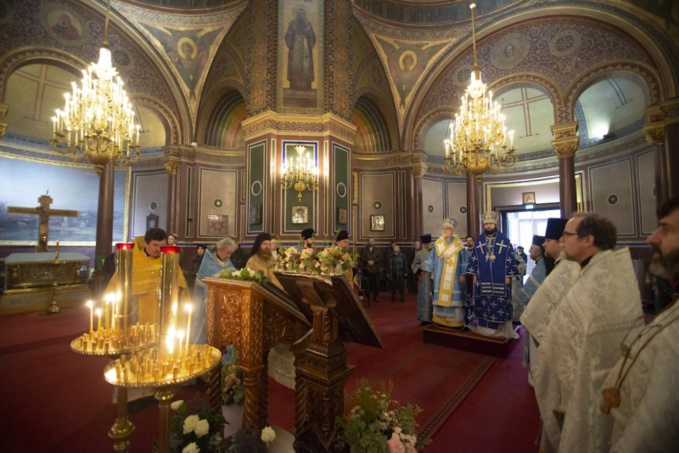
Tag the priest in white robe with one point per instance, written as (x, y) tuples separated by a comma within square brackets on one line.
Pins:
[(587, 328), (641, 393)]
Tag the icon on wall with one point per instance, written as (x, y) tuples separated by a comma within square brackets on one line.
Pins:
[(256, 214), (529, 198), (376, 223), (342, 215), (300, 215)]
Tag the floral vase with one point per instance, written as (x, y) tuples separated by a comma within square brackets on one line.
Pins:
[(233, 414)]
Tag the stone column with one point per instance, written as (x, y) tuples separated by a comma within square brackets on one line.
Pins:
[(102, 247), (473, 205), (3, 112), (662, 130), (419, 170), (171, 165), (565, 145)]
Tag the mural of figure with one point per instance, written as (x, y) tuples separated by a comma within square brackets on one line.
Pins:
[(300, 39), (190, 62), (64, 28)]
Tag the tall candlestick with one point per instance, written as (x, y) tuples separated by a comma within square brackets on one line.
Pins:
[(91, 305), (107, 322), (180, 337), (189, 309), (98, 319)]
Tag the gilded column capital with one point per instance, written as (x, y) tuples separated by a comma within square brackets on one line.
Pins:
[(565, 141), (657, 117), (3, 112), (419, 169), (171, 165)]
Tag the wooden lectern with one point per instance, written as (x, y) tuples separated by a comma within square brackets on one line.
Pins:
[(255, 317)]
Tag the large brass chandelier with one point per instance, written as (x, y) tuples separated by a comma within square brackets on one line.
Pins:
[(478, 140), (97, 121), (300, 173)]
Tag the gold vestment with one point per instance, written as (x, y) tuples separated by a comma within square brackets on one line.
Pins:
[(145, 283), (264, 263)]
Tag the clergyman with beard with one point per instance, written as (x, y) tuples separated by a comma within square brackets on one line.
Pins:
[(641, 392), (261, 258), (493, 266)]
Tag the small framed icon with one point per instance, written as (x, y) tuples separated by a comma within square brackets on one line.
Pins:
[(376, 223), (529, 198), (300, 215)]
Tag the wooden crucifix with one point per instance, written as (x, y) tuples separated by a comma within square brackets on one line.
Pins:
[(43, 212)]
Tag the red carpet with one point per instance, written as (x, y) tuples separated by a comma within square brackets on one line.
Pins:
[(56, 401)]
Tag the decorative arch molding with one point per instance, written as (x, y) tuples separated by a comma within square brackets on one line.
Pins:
[(640, 72), (211, 104), (167, 117), (372, 127), (17, 58), (423, 124), (224, 118)]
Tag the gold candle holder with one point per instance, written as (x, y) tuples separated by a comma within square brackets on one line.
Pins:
[(124, 252), (169, 296)]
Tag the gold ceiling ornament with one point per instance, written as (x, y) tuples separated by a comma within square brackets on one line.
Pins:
[(478, 139), (300, 173), (97, 121)]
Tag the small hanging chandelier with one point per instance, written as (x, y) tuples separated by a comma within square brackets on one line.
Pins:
[(478, 140), (300, 173), (97, 121)]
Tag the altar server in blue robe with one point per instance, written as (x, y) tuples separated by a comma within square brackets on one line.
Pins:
[(424, 283), (493, 266)]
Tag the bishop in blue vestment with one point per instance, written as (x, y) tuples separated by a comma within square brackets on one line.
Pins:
[(492, 263)]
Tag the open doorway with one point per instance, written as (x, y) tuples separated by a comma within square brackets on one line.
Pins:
[(521, 224)]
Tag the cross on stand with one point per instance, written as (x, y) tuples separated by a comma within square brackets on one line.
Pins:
[(43, 212)]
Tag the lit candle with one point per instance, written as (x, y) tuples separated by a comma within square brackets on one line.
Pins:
[(107, 313), (98, 319), (91, 305), (180, 338), (188, 308)]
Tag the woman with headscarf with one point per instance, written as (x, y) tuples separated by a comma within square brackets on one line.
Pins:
[(215, 260)]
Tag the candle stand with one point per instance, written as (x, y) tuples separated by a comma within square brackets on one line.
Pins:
[(152, 369), (110, 343)]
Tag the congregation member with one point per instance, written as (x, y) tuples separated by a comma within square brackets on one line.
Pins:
[(308, 238), (240, 257), (493, 266), (194, 266), (398, 271), (370, 259), (261, 259), (424, 286), (410, 256), (447, 264), (274, 247), (215, 260), (172, 239), (641, 393), (601, 308)]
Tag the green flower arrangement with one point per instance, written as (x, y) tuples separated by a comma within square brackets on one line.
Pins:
[(233, 384), (244, 274), (379, 424), (329, 261), (195, 427)]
